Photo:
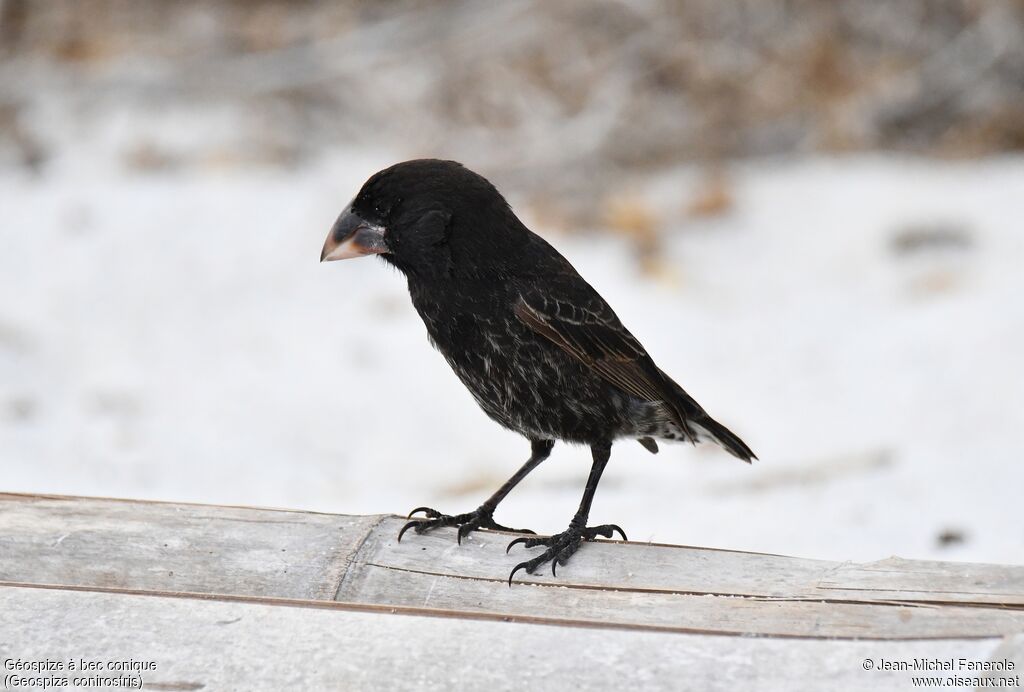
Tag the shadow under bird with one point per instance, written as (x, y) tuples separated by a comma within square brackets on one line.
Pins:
[(540, 351)]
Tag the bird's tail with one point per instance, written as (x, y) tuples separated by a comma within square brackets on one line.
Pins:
[(710, 429), (700, 425)]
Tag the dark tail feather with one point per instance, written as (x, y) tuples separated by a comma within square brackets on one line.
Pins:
[(726, 438), (703, 426)]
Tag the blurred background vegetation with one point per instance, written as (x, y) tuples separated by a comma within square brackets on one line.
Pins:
[(559, 101)]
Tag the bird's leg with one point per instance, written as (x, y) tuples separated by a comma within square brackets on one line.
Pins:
[(483, 516), (561, 546)]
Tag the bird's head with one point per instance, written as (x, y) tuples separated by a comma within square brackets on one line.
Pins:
[(428, 218)]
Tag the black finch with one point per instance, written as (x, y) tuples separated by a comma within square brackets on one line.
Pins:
[(537, 347)]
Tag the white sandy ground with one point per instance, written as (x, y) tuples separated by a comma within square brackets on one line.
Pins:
[(172, 336)]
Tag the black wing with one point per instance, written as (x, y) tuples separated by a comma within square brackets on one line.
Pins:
[(587, 329), (597, 339), (563, 308)]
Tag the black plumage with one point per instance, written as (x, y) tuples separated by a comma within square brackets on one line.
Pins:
[(541, 352)]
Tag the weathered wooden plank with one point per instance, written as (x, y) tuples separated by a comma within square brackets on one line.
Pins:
[(920, 580), (678, 612), (259, 553), (680, 569), (688, 589), (172, 547), (633, 566), (211, 645)]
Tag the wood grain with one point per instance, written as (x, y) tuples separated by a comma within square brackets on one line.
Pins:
[(174, 547), (279, 556), (216, 645)]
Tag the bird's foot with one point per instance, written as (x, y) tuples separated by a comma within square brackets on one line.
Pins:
[(480, 518), (561, 546)]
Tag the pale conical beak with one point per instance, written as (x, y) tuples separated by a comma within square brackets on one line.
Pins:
[(351, 236)]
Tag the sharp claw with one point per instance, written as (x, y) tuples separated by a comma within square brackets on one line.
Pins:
[(405, 528), (517, 540), (521, 565), (560, 547)]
